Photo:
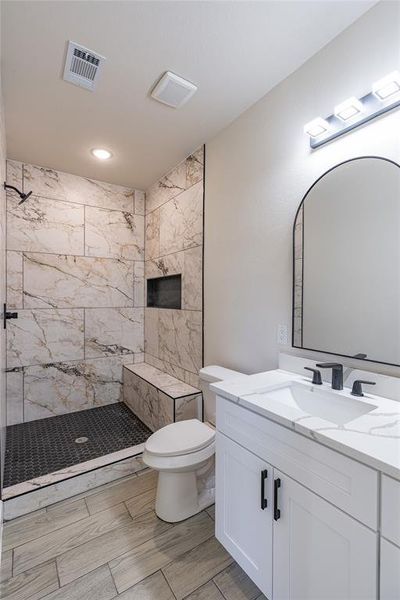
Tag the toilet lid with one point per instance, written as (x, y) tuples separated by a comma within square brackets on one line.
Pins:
[(179, 438)]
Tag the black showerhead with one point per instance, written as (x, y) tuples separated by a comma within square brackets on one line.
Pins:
[(20, 194), (24, 197)]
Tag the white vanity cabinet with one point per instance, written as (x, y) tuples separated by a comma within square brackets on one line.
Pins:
[(302, 545), (320, 553), (244, 501), (390, 541), (390, 571)]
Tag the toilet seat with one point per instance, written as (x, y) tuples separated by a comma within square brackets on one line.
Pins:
[(180, 439), (179, 463)]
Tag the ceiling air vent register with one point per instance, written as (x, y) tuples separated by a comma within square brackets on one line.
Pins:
[(82, 66)]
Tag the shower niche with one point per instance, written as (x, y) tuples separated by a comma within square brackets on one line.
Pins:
[(165, 292)]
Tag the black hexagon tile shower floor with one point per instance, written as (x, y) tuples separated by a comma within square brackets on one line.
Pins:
[(47, 445)]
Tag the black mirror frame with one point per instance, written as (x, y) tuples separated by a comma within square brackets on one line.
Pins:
[(294, 259)]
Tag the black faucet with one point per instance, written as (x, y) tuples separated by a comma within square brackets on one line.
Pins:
[(337, 374), (317, 379)]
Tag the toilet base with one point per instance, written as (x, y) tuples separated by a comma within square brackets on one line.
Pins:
[(182, 494)]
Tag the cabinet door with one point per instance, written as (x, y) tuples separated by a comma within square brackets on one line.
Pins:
[(390, 507), (390, 571), (242, 525), (320, 553)]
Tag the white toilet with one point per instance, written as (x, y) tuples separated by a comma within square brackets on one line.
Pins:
[(183, 453)]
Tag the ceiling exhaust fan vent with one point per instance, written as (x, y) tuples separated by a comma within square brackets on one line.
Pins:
[(173, 90), (82, 66)]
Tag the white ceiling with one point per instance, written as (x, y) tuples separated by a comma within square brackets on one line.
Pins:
[(234, 51)]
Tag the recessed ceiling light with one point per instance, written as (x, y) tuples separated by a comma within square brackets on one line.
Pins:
[(348, 109), (316, 127), (101, 153), (387, 86)]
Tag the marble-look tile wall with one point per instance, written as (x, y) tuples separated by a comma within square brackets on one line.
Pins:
[(3, 418), (298, 279), (174, 244), (159, 399), (75, 274)]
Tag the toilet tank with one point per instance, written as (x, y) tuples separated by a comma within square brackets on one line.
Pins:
[(209, 375)]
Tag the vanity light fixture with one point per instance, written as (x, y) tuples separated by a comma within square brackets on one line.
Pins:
[(348, 109), (387, 86), (353, 112), (101, 153), (316, 127)]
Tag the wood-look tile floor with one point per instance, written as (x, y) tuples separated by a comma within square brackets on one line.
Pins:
[(108, 544)]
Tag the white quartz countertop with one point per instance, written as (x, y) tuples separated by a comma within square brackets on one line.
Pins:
[(373, 438)]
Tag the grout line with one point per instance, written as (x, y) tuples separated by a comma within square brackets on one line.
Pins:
[(82, 204), (217, 586), (177, 558), (112, 578), (52, 531), (167, 582), (75, 360), (84, 334), (124, 503), (56, 308), (202, 260), (173, 364), (94, 491), (59, 529), (84, 231), (123, 260), (75, 254), (176, 195), (134, 203), (23, 279), (23, 394), (202, 585), (171, 253), (57, 573), (87, 506)]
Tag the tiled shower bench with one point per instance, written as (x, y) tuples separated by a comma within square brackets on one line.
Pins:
[(157, 398)]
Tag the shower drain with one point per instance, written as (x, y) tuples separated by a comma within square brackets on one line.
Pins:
[(81, 440)]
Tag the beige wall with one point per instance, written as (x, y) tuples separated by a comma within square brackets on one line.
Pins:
[(257, 171)]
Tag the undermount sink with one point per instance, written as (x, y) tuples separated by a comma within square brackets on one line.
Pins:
[(330, 406)]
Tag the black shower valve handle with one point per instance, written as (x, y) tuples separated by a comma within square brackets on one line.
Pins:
[(8, 315)]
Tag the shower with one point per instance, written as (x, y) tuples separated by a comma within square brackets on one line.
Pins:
[(22, 195)]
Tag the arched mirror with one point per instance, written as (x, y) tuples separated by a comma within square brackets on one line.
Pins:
[(346, 262)]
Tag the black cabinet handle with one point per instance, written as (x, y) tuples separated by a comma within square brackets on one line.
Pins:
[(277, 512), (264, 502)]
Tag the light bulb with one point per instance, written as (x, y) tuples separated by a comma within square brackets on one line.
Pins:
[(101, 153)]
